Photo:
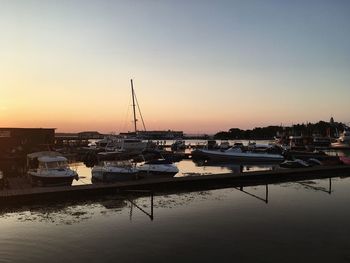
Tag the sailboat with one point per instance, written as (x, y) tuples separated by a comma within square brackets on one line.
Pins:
[(132, 145)]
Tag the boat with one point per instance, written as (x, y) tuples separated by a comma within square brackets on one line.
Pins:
[(49, 168), (224, 145), (113, 145), (211, 144), (155, 165), (343, 141), (157, 168), (345, 137), (236, 154), (178, 145), (114, 171), (321, 142)]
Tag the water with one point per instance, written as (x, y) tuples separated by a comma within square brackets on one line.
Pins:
[(290, 222)]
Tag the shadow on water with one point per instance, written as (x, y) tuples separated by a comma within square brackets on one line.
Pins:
[(144, 201)]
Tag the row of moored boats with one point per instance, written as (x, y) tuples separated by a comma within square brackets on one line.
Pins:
[(51, 168)]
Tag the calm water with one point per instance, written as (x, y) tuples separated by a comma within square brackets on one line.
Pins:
[(292, 222)]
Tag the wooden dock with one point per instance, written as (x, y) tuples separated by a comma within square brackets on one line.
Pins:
[(20, 191)]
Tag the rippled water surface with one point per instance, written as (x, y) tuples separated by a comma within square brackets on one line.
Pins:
[(293, 222)]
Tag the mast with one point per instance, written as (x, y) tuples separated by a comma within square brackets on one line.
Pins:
[(133, 105)]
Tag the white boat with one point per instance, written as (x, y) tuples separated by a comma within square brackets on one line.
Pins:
[(115, 144), (157, 168), (49, 168), (236, 154), (114, 171), (343, 141), (345, 137), (131, 144)]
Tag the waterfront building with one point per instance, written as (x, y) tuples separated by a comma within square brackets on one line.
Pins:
[(17, 142)]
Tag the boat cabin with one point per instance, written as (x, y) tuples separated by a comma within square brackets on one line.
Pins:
[(47, 162)]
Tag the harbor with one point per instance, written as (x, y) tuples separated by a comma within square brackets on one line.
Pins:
[(174, 131)]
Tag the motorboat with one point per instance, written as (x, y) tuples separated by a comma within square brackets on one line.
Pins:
[(157, 168), (343, 141), (178, 145), (114, 171), (236, 154), (211, 144), (49, 168), (224, 145), (321, 142), (155, 165), (345, 136), (120, 144)]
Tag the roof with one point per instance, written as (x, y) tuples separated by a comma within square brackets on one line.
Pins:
[(48, 159), (44, 153)]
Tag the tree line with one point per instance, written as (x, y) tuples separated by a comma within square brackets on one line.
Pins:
[(322, 128)]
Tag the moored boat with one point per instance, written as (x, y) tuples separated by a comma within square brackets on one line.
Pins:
[(157, 168), (114, 171), (236, 154), (49, 168)]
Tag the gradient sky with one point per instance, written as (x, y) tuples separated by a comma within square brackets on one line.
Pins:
[(198, 66)]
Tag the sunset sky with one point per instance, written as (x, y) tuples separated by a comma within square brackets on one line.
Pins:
[(198, 66)]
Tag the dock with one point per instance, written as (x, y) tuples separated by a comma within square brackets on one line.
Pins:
[(20, 191)]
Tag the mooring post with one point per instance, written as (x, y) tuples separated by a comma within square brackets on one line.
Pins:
[(151, 205)]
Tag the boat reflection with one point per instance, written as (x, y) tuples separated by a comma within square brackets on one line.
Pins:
[(237, 167), (125, 202)]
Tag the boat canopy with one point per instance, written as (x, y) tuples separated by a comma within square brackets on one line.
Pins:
[(42, 154), (50, 159)]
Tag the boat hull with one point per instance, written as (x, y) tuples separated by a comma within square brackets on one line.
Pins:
[(237, 157), (51, 180), (156, 174), (157, 169)]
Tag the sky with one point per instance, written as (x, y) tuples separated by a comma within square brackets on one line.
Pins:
[(197, 66)]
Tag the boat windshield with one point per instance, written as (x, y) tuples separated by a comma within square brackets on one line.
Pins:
[(118, 163), (53, 165)]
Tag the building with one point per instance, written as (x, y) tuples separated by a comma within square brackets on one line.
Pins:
[(90, 135), (17, 142)]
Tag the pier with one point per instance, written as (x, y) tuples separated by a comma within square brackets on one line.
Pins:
[(20, 191)]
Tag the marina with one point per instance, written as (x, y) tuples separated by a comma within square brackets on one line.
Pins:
[(20, 190), (174, 131)]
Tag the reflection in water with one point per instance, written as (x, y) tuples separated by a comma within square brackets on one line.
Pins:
[(235, 167), (251, 223), (143, 200), (265, 200), (310, 185)]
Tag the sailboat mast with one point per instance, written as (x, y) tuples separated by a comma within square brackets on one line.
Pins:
[(133, 105)]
